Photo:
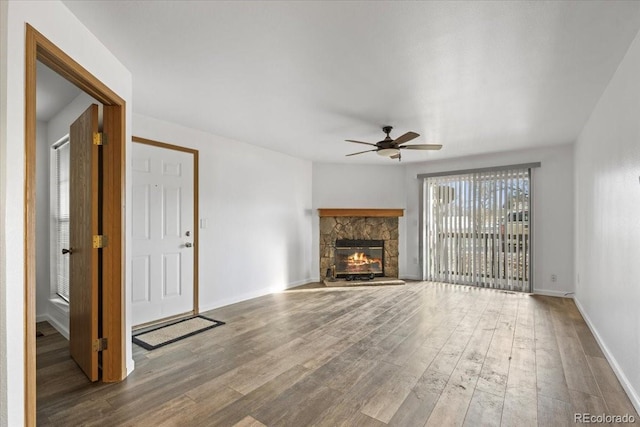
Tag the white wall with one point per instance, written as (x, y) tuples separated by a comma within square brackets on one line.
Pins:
[(607, 212), (339, 185), (4, 6), (356, 186), (43, 282), (552, 186), (60, 26), (257, 205)]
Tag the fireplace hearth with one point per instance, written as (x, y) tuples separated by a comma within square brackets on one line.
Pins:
[(359, 258)]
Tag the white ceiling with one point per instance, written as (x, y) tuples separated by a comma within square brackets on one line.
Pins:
[(300, 77)]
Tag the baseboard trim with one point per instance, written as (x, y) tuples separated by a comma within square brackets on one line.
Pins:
[(235, 299), (634, 397), (56, 325), (58, 316), (251, 295), (409, 277), (553, 293), (299, 282)]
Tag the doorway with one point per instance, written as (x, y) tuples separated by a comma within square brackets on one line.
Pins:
[(39, 48), (58, 104), (165, 232)]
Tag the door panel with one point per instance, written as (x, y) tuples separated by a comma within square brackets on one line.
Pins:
[(141, 200), (141, 275), (163, 230), (84, 223), (172, 209), (172, 275)]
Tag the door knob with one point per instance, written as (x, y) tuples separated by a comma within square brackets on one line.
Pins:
[(187, 245), (67, 251)]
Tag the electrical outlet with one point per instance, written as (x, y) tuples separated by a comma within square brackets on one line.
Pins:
[(554, 278)]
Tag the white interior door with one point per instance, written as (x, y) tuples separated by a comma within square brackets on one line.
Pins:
[(163, 233)]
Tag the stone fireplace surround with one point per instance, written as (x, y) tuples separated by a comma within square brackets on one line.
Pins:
[(366, 224)]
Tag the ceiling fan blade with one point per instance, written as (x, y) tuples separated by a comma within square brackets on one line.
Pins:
[(422, 147), (405, 138), (360, 142), (360, 152)]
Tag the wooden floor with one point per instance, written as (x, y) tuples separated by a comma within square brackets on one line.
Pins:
[(420, 354)]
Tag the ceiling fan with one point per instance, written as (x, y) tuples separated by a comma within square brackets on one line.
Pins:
[(391, 147)]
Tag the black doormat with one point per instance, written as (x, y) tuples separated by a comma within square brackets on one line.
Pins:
[(167, 334)]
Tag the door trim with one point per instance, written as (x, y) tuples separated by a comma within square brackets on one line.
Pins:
[(38, 47), (196, 215)]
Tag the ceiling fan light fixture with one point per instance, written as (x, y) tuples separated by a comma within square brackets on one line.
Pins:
[(391, 147), (388, 152)]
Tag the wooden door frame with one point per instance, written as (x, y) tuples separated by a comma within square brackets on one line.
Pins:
[(196, 215), (39, 48)]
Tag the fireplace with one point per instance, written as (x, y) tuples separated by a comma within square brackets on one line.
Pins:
[(359, 258), (362, 224)]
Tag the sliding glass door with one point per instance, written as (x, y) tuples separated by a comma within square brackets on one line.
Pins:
[(477, 228)]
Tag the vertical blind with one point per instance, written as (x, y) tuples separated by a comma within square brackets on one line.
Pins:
[(61, 217), (477, 229)]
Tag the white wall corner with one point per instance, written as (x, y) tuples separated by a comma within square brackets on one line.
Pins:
[(607, 243), (58, 316), (553, 293), (634, 395), (300, 282), (57, 325)]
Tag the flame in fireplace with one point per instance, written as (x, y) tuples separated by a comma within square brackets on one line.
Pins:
[(360, 258)]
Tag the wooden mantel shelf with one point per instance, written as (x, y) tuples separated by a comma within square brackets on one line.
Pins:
[(361, 212)]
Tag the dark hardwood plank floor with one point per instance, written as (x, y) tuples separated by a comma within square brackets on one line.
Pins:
[(423, 354)]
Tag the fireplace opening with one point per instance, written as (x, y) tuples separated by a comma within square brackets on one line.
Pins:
[(359, 258)]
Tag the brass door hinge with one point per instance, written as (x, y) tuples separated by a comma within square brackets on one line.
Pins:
[(99, 138), (100, 344), (99, 241)]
